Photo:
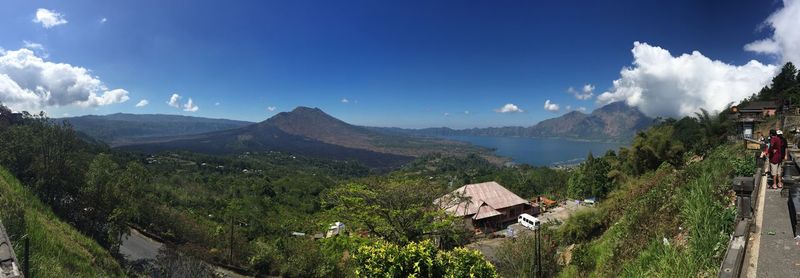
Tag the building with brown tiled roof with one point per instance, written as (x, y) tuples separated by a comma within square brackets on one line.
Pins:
[(487, 206)]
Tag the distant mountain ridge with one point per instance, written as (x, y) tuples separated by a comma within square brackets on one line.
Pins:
[(122, 128), (613, 122), (310, 132)]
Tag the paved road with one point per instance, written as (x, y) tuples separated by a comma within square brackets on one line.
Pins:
[(138, 246), (779, 253)]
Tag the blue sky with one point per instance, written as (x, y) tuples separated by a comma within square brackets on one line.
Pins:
[(398, 63)]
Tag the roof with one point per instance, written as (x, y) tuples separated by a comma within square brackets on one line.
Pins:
[(759, 105), (481, 200)]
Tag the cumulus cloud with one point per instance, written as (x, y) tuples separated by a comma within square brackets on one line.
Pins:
[(142, 103), (344, 100), (584, 93), (48, 18), (28, 82), (785, 40), (660, 84), (216, 104), (174, 101), (190, 106), (552, 107), (103, 20), (509, 108), (271, 108), (582, 109)]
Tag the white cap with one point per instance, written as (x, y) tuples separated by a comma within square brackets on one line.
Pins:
[(780, 132)]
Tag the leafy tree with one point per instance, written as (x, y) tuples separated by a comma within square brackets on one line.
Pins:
[(653, 147), (108, 207), (398, 210), (590, 179)]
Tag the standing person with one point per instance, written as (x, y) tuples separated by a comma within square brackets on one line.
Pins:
[(775, 156)]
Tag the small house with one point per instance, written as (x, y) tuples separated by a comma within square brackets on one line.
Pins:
[(486, 206)]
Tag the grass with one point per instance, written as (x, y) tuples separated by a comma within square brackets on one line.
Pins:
[(57, 249), (667, 223)]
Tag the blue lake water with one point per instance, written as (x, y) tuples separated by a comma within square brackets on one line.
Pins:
[(540, 151)]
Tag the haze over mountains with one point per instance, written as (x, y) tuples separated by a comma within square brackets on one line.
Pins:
[(613, 122)]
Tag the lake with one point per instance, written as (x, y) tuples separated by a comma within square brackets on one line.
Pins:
[(540, 151)]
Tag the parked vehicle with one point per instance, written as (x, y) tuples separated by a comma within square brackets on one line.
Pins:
[(528, 221)]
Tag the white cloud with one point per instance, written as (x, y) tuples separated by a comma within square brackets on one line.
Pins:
[(49, 18), (509, 108), (344, 100), (33, 45), (569, 107), (271, 108), (446, 114), (582, 109), (584, 94), (28, 82), (216, 104), (785, 40), (552, 107), (660, 84), (190, 107), (174, 101), (142, 103), (466, 112), (103, 20)]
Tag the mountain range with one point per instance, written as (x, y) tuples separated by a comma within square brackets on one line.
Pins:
[(311, 132), (122, 128), (613, 122)]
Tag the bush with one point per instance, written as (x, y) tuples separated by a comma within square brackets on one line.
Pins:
[(419, 259)]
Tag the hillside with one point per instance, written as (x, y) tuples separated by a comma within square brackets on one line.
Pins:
[(671, 222), (121, 128), (311, 132), (613, 122), (57, 249)]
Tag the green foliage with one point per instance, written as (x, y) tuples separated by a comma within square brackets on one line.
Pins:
[(398, 210), (581, 226), (785, 86), (58, 250), (516, 257), (419, 259), (591, 179), (653, 147), (642, 216)]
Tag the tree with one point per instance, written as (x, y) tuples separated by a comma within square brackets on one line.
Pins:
[(108, 206), (398, 210), (591, 179), (653, 147)]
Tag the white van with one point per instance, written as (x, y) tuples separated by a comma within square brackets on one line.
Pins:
[(528, 221)]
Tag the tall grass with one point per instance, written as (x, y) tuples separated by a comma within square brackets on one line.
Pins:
[(667, 223), (57, 249)]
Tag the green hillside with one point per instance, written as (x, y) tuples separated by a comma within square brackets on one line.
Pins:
[(57, 249)]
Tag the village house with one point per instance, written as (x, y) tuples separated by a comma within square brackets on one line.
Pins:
[(486, 206)]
